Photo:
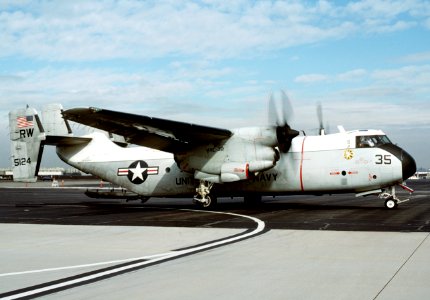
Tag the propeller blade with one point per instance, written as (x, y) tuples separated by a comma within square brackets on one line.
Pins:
[(327, 128), (279, 119), (272, 112), (320, 119), (287, 108)]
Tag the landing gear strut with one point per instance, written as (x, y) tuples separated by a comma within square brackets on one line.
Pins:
[(391, 200), (203, 197)]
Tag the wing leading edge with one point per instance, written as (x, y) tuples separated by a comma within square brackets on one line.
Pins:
[(161, 134)]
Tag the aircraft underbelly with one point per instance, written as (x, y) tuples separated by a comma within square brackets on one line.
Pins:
[(129, 168), (146, 180)]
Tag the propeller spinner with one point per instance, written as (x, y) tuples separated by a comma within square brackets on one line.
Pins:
[(284, 133)]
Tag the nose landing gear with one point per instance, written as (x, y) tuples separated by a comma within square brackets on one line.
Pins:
[(391, 200)]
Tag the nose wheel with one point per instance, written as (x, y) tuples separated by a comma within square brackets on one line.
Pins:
[(391, 200), (391, 203)]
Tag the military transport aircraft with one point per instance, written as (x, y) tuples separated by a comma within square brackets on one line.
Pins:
[(206, 162)]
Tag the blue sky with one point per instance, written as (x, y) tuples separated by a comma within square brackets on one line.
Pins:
[(216, 62)]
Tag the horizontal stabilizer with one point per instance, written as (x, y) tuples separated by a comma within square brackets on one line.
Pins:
[(66, 140)]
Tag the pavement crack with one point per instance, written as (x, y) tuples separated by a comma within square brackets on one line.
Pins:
[(401, 267), (324, 227)]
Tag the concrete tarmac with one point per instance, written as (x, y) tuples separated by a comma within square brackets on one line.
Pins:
[(64, 245)]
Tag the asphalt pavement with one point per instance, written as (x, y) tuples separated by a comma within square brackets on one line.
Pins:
[(58, 243)]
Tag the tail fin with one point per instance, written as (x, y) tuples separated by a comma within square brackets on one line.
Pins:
[(28, 138), (53, 121)]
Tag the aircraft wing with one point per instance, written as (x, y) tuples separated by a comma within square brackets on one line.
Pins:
[(161, 134)]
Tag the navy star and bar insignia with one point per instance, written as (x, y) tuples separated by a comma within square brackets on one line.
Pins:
[(138, 171)]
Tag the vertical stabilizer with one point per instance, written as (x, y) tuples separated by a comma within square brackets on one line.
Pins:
[(53, 122), (27, 136)]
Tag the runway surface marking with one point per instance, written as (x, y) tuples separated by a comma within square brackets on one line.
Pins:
[(127, 265), (86, 265)]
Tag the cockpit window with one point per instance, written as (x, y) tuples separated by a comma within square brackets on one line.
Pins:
[(366, 141)]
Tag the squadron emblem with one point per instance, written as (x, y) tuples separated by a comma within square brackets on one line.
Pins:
[(348, 154), (138, 171)]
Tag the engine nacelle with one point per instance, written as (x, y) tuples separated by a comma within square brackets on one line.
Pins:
[(230, 172), (260, 166), (234, 172), (215, 178), (247, 152), (264, 153), (265, 136)]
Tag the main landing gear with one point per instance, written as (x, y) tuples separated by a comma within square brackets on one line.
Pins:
[(203, 196), (391, 200)]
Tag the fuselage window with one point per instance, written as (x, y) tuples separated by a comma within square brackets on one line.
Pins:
[(367, 141)]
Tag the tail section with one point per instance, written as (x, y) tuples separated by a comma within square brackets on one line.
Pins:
[(53, 122), (27, 136), (29, 133)]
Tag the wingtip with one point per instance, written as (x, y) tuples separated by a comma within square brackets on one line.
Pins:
[(74, 113)]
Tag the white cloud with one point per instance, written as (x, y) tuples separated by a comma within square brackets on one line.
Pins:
[(352, 75), (83, 53), (412, 76), (427, 23), (184, 85), (387, 98), (361, 114), (87, 87), (107, 30), (416, 57), (311, 78), (387, 9)]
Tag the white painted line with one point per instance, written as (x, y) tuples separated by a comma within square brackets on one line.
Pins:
[(84, 265), (156, 258)]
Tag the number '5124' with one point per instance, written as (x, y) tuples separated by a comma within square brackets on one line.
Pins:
[(21, 161)]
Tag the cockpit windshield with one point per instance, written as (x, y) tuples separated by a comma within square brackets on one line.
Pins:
[(366, 141)]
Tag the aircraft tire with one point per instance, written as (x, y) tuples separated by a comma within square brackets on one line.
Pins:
[(390, 203), (211, 203)]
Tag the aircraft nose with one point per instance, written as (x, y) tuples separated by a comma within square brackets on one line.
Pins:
[(409, 166)]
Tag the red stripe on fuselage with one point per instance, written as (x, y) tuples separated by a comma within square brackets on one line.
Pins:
[(301, 165)]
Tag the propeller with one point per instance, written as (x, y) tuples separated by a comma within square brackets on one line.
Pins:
[(321, 130), (284, 133)]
